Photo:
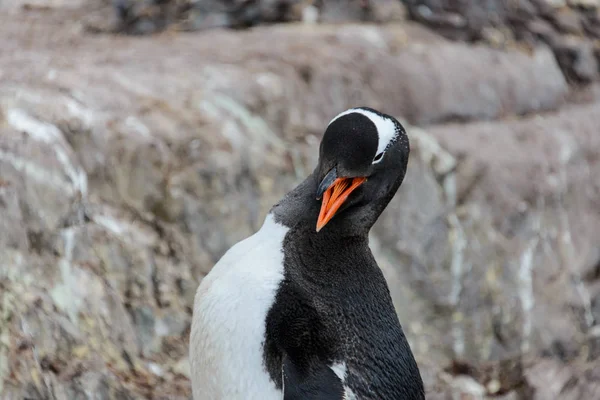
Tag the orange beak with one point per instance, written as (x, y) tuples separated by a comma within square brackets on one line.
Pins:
[(335, 196)]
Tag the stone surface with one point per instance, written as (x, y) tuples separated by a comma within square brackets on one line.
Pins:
[(454, 81), (568, 27), (568, 21), (585, 3), (129, 165), (499, 23), (577, 59), (148, 16), (17, 6)]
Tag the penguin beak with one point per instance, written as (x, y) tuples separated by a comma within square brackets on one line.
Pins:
[(335, 192)]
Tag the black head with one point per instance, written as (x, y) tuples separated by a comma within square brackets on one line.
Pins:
[(362, 163)]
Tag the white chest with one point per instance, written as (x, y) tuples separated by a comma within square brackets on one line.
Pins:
[(228, 325)]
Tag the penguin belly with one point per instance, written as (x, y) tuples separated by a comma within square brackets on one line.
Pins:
[(228, 325)]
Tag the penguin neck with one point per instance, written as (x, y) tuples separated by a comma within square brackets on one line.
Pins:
[(299, 210), (299, 207)]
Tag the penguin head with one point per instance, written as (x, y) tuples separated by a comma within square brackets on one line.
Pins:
[(362, 162)]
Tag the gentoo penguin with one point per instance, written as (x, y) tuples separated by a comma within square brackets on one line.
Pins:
[(300, 309)]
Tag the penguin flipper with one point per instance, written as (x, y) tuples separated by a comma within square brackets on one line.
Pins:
[(317, 382)]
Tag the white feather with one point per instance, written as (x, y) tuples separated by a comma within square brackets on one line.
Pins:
[(340, 370), (228, 325)]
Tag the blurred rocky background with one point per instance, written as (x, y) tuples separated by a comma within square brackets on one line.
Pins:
[(140, 139)]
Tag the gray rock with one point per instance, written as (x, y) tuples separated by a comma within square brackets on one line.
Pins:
[(593, 4), (543, 30), (591, 24), (568, 21), (388, 10), (577, 59), (128, 167), (147, 16), (448, 82), (336, 11)]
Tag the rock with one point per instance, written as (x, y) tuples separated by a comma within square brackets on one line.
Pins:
[(388, 11), (498, 38), (433, 242), (547, 7), (18, 5), (584, 3), (336, 11), (520, 12), (591, 24), (591, 267), (467, 19), (499, 23), (448, 82), (568, 21), (522, 23), (11, 220), (449, 23), (566, 383), (146, 16), (554, 3), (576, 58), (570, 146), (130, 165), (543, 30), (589, 93)]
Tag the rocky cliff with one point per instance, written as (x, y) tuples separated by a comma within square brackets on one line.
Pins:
[(128, 165)]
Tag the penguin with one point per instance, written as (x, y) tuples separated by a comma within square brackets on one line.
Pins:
[(300, 309)]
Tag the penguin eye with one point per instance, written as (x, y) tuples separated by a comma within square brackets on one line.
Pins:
[(378, 157)]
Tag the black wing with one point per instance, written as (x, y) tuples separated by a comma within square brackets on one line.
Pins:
[(310, 382), (300, 347)]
